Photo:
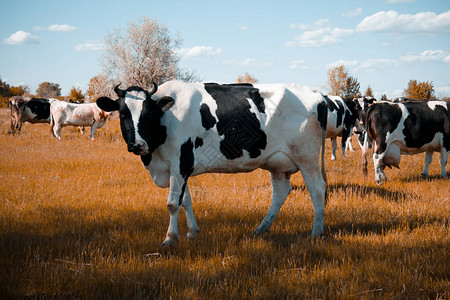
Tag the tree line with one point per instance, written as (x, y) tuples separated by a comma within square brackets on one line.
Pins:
[(145, 52)]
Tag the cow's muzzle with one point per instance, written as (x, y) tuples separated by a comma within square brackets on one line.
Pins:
[(138, 148)]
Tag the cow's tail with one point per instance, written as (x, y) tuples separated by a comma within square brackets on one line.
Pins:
[(323, 117)]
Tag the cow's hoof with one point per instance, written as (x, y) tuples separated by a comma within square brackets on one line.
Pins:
[(192, 234), (261, 231), (168, 243)]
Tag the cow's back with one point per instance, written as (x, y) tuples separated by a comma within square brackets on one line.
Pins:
[(237, 127)]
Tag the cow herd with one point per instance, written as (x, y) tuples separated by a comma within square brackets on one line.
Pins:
[(55, 112), (181, 130)]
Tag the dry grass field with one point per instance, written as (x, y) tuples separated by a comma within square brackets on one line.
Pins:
[(82, 219)]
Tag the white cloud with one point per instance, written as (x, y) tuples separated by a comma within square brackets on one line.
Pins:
[(399, 1), (427, 56), (244, 28), (56, 27), (377, 63), (339, 62), (21, 37), (393, 22), (198, 51), (318, 24), (248, 62), (95, 46), (367, 64), (295, 64), (352, 13), (320, 37)]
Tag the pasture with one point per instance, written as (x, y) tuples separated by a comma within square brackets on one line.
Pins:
[(82, 219)]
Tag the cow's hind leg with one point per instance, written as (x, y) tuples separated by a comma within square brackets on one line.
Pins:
[(333, 148), (317, 189), (281, 188), (444, 158)]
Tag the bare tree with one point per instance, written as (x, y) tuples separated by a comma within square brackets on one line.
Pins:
[(145, 53)]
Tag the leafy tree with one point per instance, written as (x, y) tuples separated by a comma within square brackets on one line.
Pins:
[(369, 92), (145, 53), (337, 80), (246, 78), (48, 90), (423, 90), (99, 86), (7, 91), (76, 95), (384, 97)]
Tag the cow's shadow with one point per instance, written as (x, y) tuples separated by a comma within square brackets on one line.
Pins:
[(421, 178), (360, 190)]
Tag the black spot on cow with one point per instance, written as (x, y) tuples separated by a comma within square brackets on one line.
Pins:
[(239, 126), (146, 159), (149, 126), (198, 142), (208, 120), (39, 107), (322, 114), (423, 123), (382, 117), (186, 164), (339, 108)]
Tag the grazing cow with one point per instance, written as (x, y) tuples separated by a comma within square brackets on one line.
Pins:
[(26, 109), (406, 128), (342, 115), (69, 114), (186, 129)]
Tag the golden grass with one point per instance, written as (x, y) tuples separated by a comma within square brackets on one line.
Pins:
[(82, 219)]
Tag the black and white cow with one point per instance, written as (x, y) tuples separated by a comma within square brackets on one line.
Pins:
[(26, 109), (186, 129), (406, 128), (342, 116), (362, 104)]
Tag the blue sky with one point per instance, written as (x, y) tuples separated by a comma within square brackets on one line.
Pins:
[(383, 43)]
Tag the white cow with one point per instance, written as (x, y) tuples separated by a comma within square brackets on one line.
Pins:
[(70, 114), (186, 129)]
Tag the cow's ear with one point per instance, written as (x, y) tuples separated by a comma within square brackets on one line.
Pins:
[(165, 103), (107, 104)]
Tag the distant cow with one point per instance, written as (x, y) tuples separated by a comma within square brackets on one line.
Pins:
[(27, 109), (70, 114), (186, 129), (342, 115), (362, 104), (407, 128)]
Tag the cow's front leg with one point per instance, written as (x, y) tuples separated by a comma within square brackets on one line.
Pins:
[(93, 129), (281, 188), (174, 201), (191, 223)]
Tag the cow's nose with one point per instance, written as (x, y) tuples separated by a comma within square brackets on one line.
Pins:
[(135, 148)]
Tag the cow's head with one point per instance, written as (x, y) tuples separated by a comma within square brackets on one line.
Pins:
[(140, 117)]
